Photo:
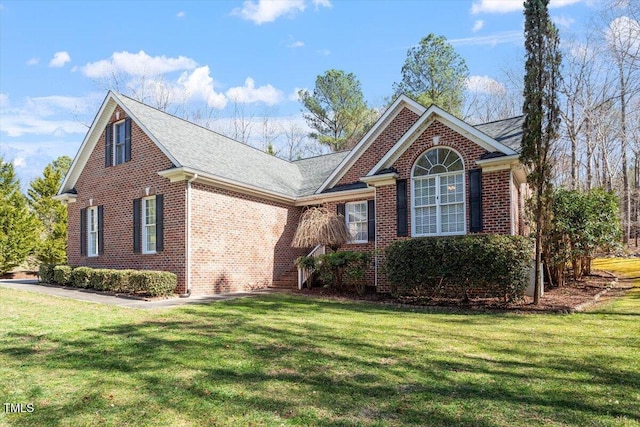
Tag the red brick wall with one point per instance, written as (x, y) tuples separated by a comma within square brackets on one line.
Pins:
[(239, 242), (115, 188), (496, 188)]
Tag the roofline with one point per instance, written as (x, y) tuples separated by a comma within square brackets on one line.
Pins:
[(184, 173), (436, 113), (368, 139), (315, 199)]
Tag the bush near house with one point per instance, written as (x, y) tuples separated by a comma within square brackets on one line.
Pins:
[(62, 274), (46, 273), (146, 282), (340, 269), (460, 267)]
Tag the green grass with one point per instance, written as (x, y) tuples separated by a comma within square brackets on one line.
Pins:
[(286, 360)]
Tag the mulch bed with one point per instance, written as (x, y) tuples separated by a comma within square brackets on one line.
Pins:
[(20, 275), (574, 296)]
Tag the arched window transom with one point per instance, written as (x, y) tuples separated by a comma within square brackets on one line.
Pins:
[(438, 193)]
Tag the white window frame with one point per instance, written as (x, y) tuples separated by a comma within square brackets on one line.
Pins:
[(92, 231), (365, 222), (438, 203), (117, 143), (147, 226)]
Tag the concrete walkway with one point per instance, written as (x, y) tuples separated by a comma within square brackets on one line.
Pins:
[(123, 301)]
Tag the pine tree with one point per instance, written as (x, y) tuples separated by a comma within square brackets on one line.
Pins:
[(17, 224), (51, 214), (540, 129)]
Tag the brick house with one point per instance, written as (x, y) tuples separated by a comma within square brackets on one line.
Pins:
[(148, 190)]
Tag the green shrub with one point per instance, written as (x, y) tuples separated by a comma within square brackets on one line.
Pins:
[(46, 273), (460, 266), (153, 283), (81, 277), (118, 281), (99, 279), (338, 269), (62, 274)]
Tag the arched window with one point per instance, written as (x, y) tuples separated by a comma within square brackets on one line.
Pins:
[(438, 193)]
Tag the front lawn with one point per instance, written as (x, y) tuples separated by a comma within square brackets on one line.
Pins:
[(290, 360)]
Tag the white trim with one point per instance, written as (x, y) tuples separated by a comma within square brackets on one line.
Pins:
[(380, 180), (114, 160), (92, 212), (184, 174), (143, 224), (366, 221), (438, 204), (316, 199), (369, 137), (452, 122), (65, 198)]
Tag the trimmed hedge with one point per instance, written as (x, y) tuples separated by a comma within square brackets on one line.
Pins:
[(46, 273), (460, 266), (81, 277), (146, 282), (62, 275), (153, 283)]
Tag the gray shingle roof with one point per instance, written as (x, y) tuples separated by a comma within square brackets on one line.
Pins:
[(507, 131), (201, 149)]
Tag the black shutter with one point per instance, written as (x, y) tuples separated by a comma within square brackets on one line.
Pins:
[(136, 225), (83, 231), (159, 223), (401, 208), (475, 200), (127, 139), (108, 149), (100, 230), (371, 220), (340, 208)]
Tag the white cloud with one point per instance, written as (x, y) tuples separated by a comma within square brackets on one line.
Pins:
[(14, 125), (322, 3), (563, 21), (19, 162), (484, 84), (261, 11), (624, 34), (137, 64), (199, 84), (324, 52), (477, 26), (181, 14), (296, 44), (250, 94), (515, 37), (506, 6), (33, 61), (4, 100), (268, 10), (59, 59)]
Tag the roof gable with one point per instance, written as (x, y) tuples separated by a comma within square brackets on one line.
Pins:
[(367, 140), (429, 116)]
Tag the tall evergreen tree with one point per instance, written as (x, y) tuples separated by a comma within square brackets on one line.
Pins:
[(336, 110), (17, 224), (434, 73), (540, 129), (51, 214)]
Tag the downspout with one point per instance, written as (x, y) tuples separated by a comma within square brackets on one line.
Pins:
[(187, 294), (375, 239)]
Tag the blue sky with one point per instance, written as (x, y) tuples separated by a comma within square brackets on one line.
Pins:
[(55, 56)]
